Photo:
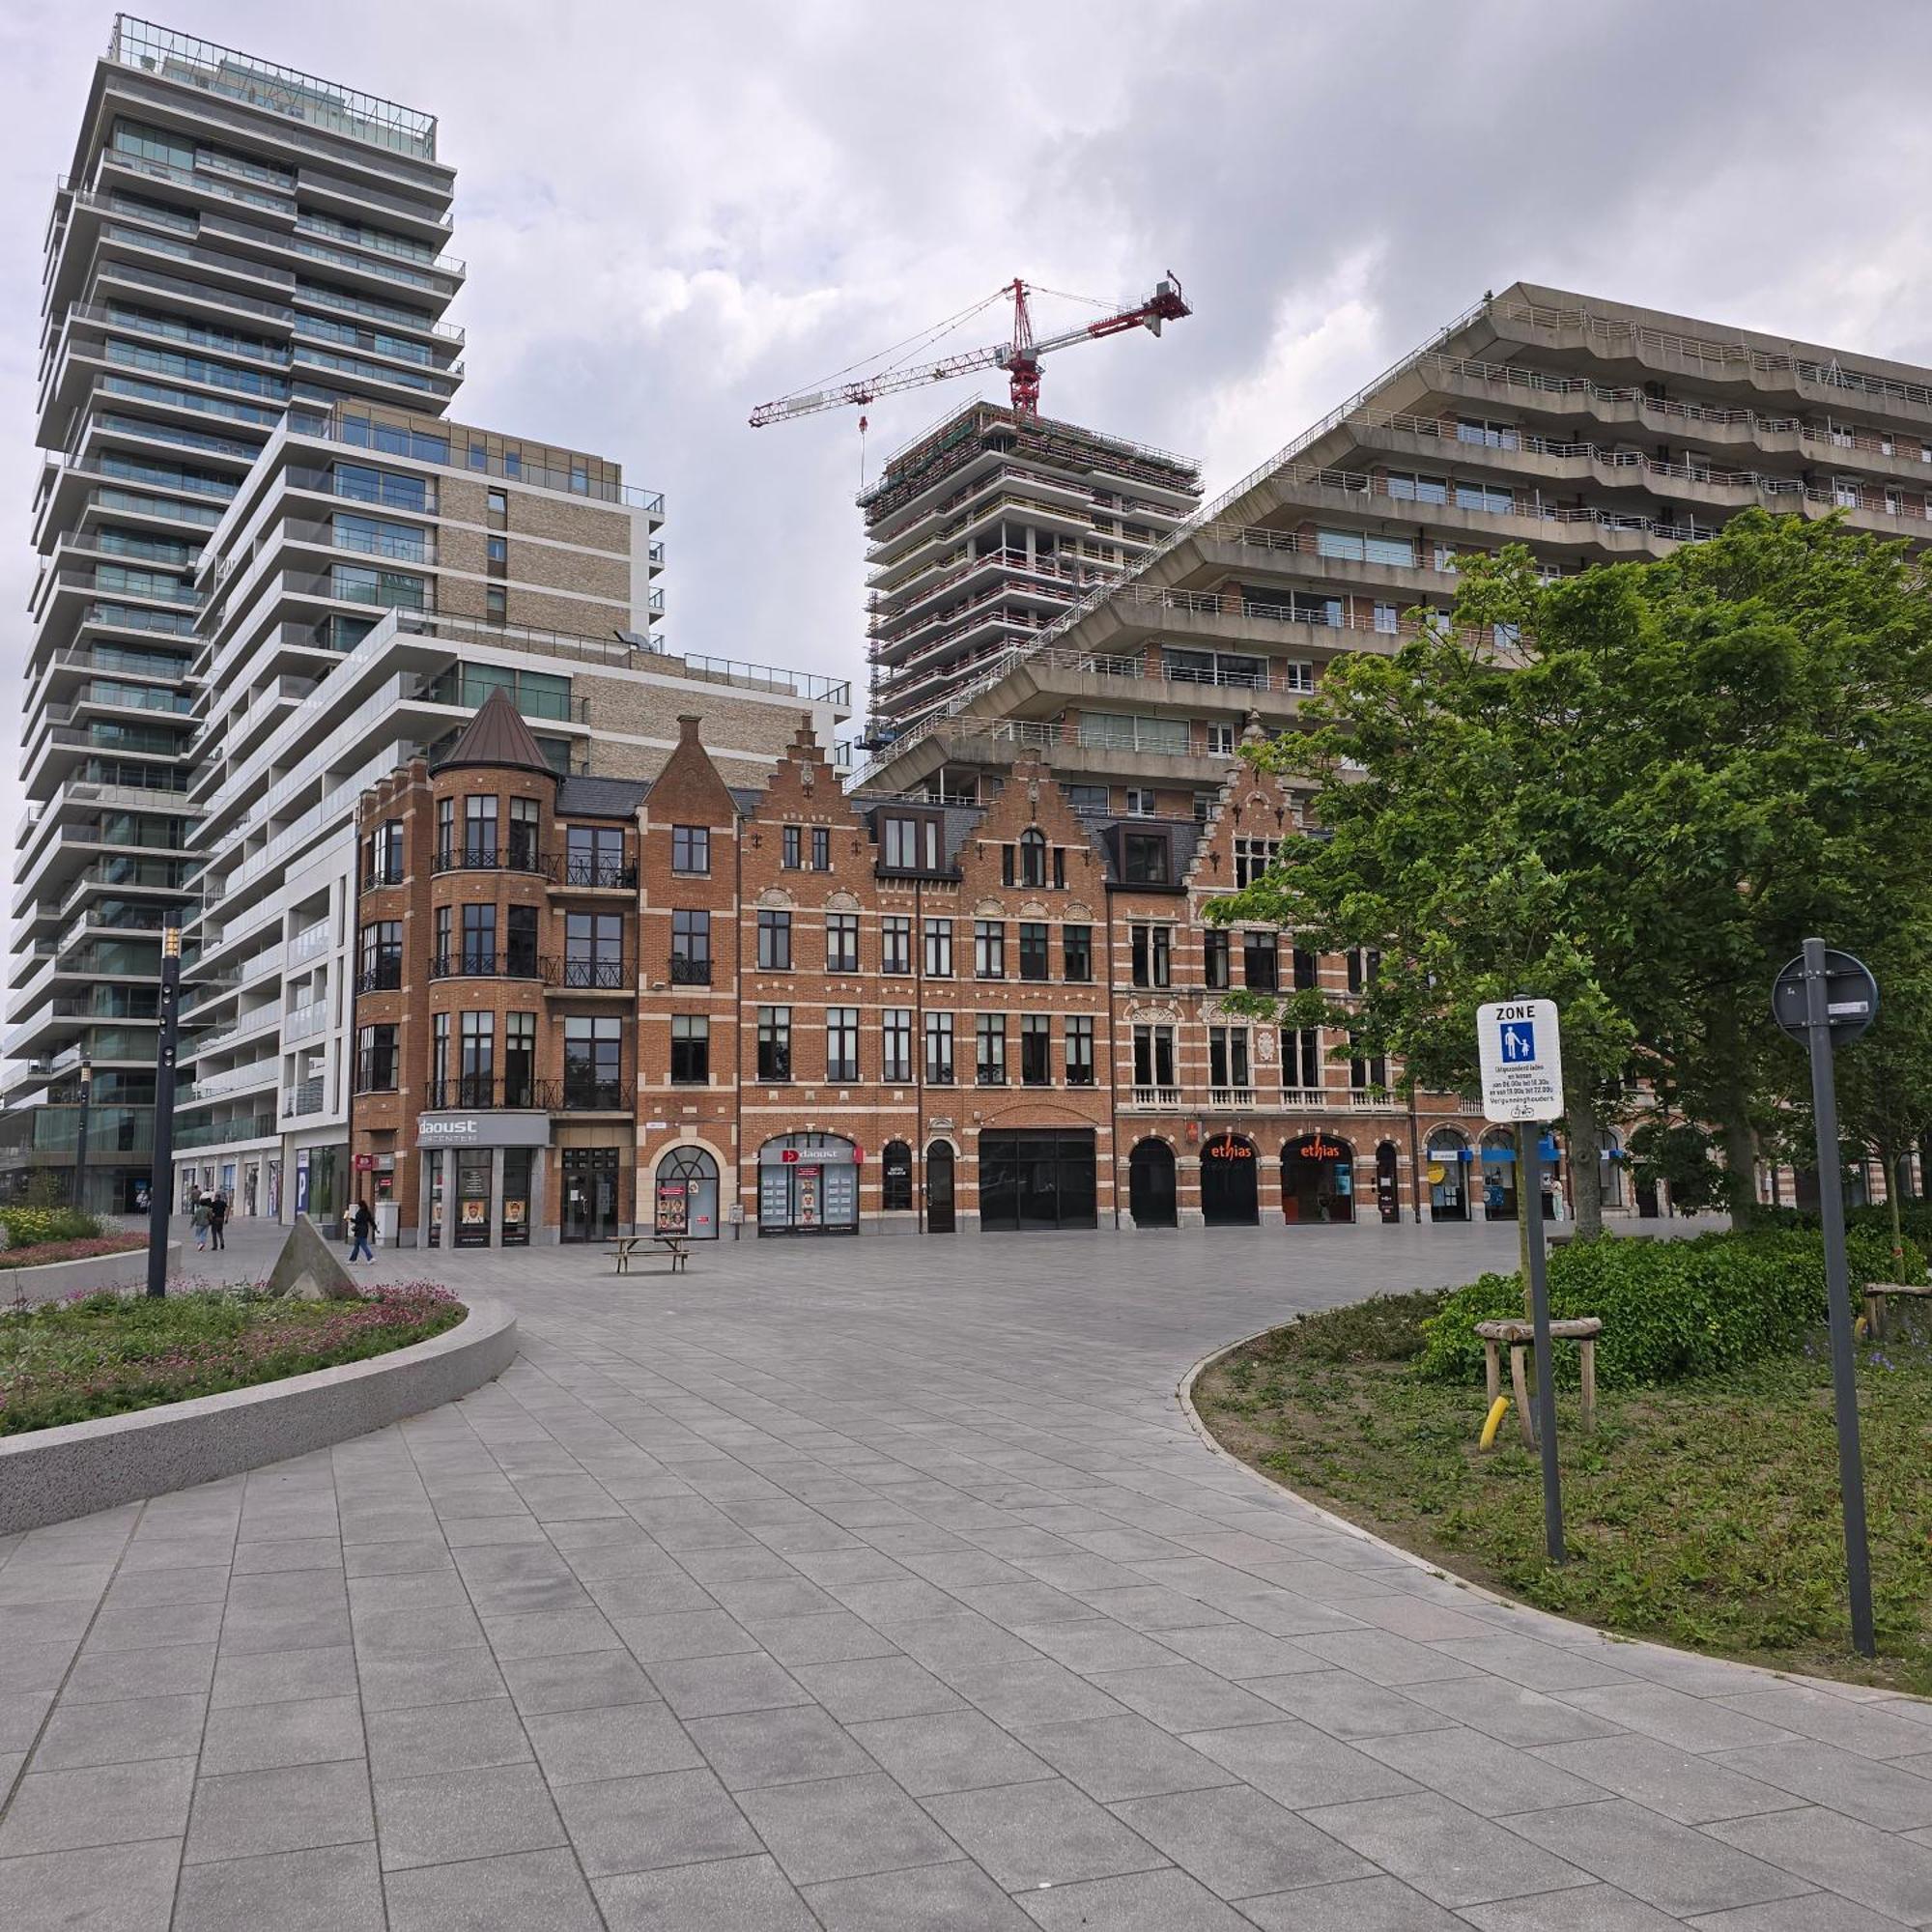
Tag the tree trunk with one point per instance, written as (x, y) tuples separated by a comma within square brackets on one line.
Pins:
[(1891, 1164), (1733, 1121), (1586, 1173)]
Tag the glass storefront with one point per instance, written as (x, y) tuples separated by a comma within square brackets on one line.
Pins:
[(589, 1194), (1317, 1179), (473, 1197), (808, 1184), (517, 1165), (1038, 1178), (686, 1194)]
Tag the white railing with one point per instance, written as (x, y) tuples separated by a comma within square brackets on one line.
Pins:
[(303, 1021), (1219, 1098), (1314, 1098), (1156, 1097), (1367, 1100)]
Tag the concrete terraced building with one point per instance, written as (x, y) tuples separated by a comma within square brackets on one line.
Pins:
[(272, 570)]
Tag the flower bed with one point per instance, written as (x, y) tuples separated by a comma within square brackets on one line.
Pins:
[(105, 1354), (41, 1253)]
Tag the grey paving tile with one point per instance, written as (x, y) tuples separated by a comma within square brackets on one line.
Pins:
[(1868, 1729), (106, 1888), (465, 1814), (1528, 1661), (844, 1827), (295, 1553), (268, 1678), (1895, 1795), (1673, 1718), (716, 1687), (785, 1746), (640, 1824), (1297, 1765), (1691, 1788), (263, 1737), (77, 1735), (954, 1897), (106, 1805), (1127, 1757), (948, 1750), (518, 1891), (1238, 1842), (1869, 1867), (1156, 1901), (169, 1586), (1665, 1864), (146, 1626), (35, 1666), (416, 1678), (1595, 1908), (1026, 1835), (251, 1813), (1509, 1713), (1491, 1779), (615, 1741), (1359, 1905), (332, 1888), (730, 1895), (1814, 1912), (585, 1680), (445, 1737), (683, 1634), (836, 1636), (1239, 1651), (1384, 1658), (1347, 1706), (1443, 1851), (879, 1687)]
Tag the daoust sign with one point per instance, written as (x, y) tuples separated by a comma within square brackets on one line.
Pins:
[(1521, 1057)]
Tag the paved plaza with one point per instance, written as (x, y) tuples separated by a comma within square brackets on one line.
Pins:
[(883, 1586)]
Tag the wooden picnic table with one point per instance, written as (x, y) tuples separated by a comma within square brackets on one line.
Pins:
[(633, 1247)]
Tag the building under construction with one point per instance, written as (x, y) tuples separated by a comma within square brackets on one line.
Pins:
[(984, 530)]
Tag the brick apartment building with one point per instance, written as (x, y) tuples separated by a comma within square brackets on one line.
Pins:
[(589, 1006)]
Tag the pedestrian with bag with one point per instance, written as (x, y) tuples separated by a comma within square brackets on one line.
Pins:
[(198, 1218), (217, 1221), (362, 1228)]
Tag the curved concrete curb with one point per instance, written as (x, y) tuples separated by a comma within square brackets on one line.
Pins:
[(53, 1279), (52, 1474)]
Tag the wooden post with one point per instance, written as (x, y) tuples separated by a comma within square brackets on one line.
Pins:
[(1519, 1383), (1587, 1349), (1492, 1374)]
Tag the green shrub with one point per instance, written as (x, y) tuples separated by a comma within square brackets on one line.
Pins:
[(1669, 1308), (29, 1227)]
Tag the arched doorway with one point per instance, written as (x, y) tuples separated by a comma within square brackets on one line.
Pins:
[(1317, 1179), (895, 1177), (1446, 1164), (1150, 1184), (1230, 1190), (687, 1194), (808, 1184), (1388, 1193), (939, 1188)]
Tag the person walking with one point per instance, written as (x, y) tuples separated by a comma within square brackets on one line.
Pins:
[(198, 1217), (218, 1220), (362, 1228)]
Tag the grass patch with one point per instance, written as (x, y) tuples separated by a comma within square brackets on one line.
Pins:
[(106, 1355), (1702, 1512), (83, 1248)]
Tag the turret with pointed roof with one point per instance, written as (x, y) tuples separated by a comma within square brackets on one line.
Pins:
[(497, 736)]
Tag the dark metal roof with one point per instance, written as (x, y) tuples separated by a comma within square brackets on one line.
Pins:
[(497, 736), (584, 797)]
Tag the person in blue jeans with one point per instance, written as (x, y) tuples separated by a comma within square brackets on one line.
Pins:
[(362, 1228)]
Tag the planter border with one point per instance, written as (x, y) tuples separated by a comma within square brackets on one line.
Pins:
[(50, 1475), (48, 1281)]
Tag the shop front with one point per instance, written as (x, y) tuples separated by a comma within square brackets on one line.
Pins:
[(480, 1178), (808, 1184), (1446, 1162), (1151, 1185), (1500, 1186), (1231, 1195), (1317, 1179), (685, 1193), (1034, 1179)]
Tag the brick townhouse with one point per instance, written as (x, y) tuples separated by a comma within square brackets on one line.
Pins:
[(587, 1005)]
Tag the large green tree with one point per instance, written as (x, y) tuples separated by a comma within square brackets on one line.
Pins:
[(1634, 790)]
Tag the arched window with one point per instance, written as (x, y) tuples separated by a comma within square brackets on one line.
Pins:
[(687, 1194), (895, 1177), (1033, 857)]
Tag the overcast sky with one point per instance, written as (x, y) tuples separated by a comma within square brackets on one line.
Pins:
[(671, 213)]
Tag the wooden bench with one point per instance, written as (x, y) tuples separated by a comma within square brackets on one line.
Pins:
[(1521, 1336), (1876, 1293), (635, 1247)]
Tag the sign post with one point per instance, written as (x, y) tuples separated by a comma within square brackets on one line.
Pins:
[(1827, 998), (1521, 1051)]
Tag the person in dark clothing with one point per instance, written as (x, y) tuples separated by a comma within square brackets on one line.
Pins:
[(363, 1227), (218, 1220)]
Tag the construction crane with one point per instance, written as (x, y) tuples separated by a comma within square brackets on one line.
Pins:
[(1020, 356)]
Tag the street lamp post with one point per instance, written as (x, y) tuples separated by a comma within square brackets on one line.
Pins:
[(81, 1133), (160, 1180)]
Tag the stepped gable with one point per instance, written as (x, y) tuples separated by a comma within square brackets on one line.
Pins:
[(1031, 797), (497, 736), (804, 790), (688, 790), (1251, 804)]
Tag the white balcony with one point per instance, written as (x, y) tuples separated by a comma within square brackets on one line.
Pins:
[(310, 941), (303, 1021), (1223, 1098), (1156, 1097)]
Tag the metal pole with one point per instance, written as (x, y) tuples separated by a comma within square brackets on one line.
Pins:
[(1530, 1205), (161, 1179), (1839, 1297), (81, 1133)]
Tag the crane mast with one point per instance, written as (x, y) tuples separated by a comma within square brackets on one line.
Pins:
[(1019, 356)]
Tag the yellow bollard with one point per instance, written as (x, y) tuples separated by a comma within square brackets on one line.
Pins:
[(1493, 1422)]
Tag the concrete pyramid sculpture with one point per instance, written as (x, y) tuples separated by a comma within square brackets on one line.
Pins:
[(307, 1268)]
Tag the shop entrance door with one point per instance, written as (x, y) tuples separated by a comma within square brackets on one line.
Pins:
[(589, 1194), (1151, 1185), (1037, 1178), (939, 1188), (1229, 1190)]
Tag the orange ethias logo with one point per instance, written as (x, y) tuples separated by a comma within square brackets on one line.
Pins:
[(1320, 1149), (1229, 1151)]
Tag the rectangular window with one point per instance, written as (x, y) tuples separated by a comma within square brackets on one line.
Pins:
[(841, 1043), (1367, 1073), (496, 604), (593, 945), (594, 856), (1034, 950), (496, 552), (939, 949), (939, 1049), (519, 941), (792, 847), (1089, 798), (691, 850), (446, 832), (895, 1045), (1364, 964), (1215, 956), (1307, 971), (901, 844), (1385, 619), (382, 956), (520, 1060), (1412, 488), (989, 1040), (1489, 497), (989, 949), (1035, 1050), (1220, 741), (1301, 1058), (1228, 1056), (1141, 802), (1144, 859), (841, 942), (773, 942), (593, 1061), (690, 1050), (476, 1072), (479, 830), (1080, 1050), (821, 848), (774, 1043), (1076, 952), (498, 509), (385, 854), (896, 944), (439, 1058), (1252, 859), (1006, 865), (524, 819), (479, 939), (1153, 954), (690, 948), (1261, 962), (1154, 1056), (375, 1059)]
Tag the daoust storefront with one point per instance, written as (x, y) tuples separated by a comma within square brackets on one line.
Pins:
[(480, 1173), (808, 1184)]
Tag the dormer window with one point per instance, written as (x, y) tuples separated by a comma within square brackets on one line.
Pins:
[(909, 844), (1144, 859)]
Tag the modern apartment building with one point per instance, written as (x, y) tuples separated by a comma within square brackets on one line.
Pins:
[(1585, 429), (984, 530), (694, 1005)]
